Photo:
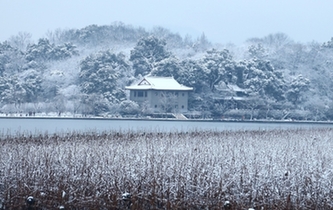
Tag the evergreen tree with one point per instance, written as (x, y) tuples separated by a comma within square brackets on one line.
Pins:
[(102, 73), (147, 52), (218, 66), (298, 86)]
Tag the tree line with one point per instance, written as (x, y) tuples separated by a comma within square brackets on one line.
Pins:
[(84, 71)]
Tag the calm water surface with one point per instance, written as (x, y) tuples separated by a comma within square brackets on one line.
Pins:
[(60, 125)]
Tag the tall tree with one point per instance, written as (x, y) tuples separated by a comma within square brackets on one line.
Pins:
[(31, 82), (21, 40), (296, 89), (11, 59), (147, 52), (12, 91), (257, 51), (193, 75), (102, 73), (201, 44), (218, 66), (260, 78)]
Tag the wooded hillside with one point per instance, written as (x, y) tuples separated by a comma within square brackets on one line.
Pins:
[(84, 71)]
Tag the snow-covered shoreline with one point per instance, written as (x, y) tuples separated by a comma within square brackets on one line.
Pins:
[(90, 117)]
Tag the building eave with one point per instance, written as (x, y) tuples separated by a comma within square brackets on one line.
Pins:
[(159, 83), (159, 89)]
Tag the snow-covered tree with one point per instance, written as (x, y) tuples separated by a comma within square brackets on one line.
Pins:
[(3, 57), (260, 78), (12, 91), (193, 75), (31, 82), (173, 40), (95, 36), (21, 40), (201, 44), (257, 51), (11, 59), (128, 107), (273, 47), (168, 67), (219, 109), (59, 104), (168, 102), (296, 89), (40, 51), (94, 104), (145, 108), (328, 44), (102, 73), (46, 51), (218, 66), (329, 111), (272, 42), (5, 87), (147, 52)]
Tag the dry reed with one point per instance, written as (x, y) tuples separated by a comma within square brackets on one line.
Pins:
[(277, 169)]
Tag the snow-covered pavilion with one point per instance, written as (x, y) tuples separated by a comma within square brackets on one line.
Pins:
[(161, 94)]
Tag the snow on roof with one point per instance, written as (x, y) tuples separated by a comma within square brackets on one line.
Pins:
[(158, 83), (230, 98), (235, 88)]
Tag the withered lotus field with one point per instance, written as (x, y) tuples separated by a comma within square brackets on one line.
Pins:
[(275, 169)]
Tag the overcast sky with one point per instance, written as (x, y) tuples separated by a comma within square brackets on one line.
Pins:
[(222, 21)]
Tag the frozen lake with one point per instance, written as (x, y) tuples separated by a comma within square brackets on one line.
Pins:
[(60, 125)]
